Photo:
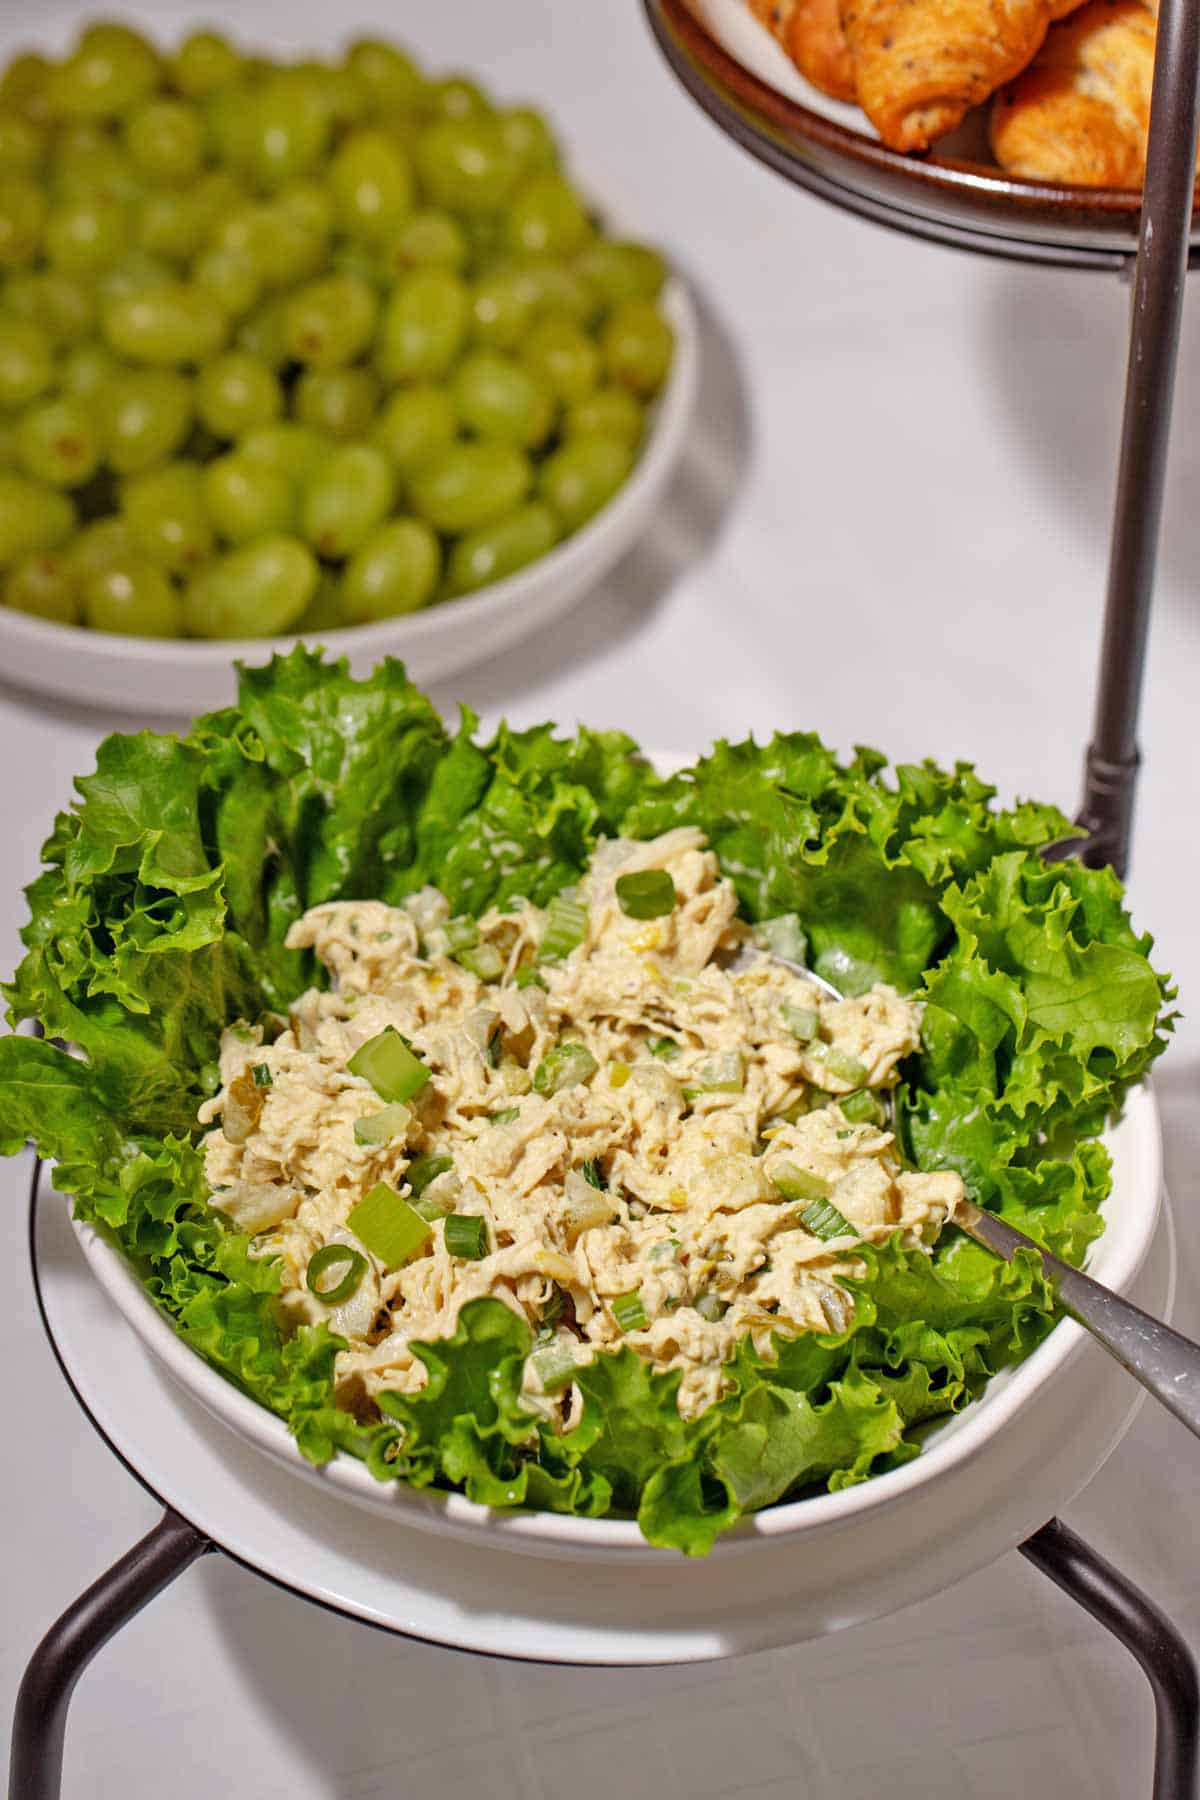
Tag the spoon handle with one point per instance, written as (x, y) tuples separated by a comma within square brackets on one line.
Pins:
[(1161, 1359)]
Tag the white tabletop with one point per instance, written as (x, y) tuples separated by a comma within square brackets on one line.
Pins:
[(891, 527)]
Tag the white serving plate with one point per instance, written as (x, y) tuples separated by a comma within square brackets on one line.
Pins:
[(185, 676)]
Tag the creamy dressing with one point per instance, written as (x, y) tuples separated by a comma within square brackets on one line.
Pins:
[(703, 1103)]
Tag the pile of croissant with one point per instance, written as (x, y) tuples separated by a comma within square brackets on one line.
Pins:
[(1070, 95)]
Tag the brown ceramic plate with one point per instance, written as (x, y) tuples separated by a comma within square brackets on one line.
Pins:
[(730, 65)]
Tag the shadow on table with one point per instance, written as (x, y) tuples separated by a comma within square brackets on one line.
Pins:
[(1057, 349), (686, 528)]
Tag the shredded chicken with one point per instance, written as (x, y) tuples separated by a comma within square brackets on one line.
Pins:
[(688, 1158)]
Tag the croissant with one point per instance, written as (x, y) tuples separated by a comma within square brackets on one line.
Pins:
[(1081, 111), (811, 33), (921, 65)]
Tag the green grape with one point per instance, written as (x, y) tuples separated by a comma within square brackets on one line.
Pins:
[(168, 223), (236, 393), (33, 518), (528, 137), (502, 548), (21, 144), (608, 412), (88, 165), (458, 97), (372, 185), (498, 397), (168, 325), (395, 571), (465, 165), (111, 70), (255, 592), (638, 346), (134, 599), (217, 196), (9, 456), (23, 209), (583, 476), (325, 611), (338, 402), (344, 99), (147, 413), (167, 517), (416, 425), (555, 288), (132, 273), (351, 257), (503, 307), (229, 117), (62, 307), (23, 86), (247, 500), (292, 450), (45, 586), (390, 79), (310, 205), (428, 237), (620, 270), (165, 139), (470, 485), (289, 128), (26, 362), (564, 356), (424, 325), (281, 246), (203, 64), (262, 333), (330, 322), (87, 234), (59, 443), (87, 370), (98, 547), (548, 218), (230, 278), (349, 495)]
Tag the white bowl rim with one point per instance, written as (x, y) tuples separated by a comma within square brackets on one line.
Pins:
[(566, 1535), (658, 450)]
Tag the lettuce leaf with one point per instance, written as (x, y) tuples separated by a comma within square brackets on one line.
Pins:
[(169, 886)]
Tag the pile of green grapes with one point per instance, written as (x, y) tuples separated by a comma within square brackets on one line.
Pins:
[(292, 347)]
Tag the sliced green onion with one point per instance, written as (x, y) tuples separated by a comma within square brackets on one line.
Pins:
[(553, 1310), (724, 1074), (460, 934), (466, 1236), (629, 1311), (554, 1364), (494, 1049), (527, 978), (664, 1250), (862, 1107), (483, 960), (710, 1307), (566, 923), (262, 1075), (563, 1067), (390, 1066), (783, 936), (618, 1074), (388, 1226), (594, 1175), (666, 1048), (333, 1256), (646, 894), (803, 1022), (424, 1169), (798, 1184), (825, 1221), (846, 1068), (382, 1127), (505, 1116)]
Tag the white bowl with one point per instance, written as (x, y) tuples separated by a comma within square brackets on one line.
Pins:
[(172, 675), (1003, 1465)]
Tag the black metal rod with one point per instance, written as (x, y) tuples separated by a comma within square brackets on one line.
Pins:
[(40, 1718), (1145, 1631), (1162, 260)]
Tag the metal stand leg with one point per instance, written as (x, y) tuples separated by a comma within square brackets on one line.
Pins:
[(1164, 1656), (40, 1719)]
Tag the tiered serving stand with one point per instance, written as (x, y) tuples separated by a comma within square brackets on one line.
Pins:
[(969, 206)]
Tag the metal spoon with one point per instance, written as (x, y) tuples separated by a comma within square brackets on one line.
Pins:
[(1165, 1363)]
